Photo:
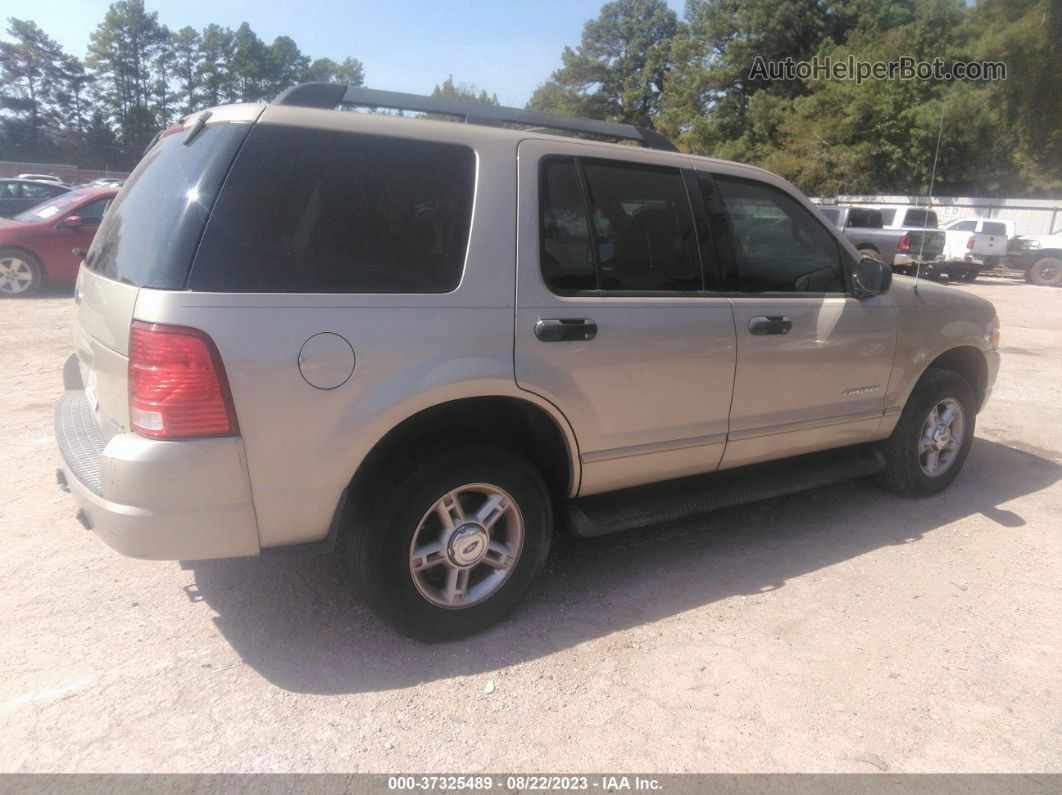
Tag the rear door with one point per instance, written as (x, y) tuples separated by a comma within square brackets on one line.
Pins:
[(813, 362), (615, 324)]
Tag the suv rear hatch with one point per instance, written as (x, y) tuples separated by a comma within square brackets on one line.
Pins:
[(148, 239)]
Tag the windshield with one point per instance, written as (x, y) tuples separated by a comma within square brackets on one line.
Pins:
[(51, 208)]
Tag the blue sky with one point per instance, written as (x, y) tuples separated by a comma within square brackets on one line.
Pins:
[(507, 47)]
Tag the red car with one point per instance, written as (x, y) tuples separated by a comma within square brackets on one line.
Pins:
[(36, 246)]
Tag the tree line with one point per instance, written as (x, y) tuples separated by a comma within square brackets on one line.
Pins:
[(694, 78), (138, 77)]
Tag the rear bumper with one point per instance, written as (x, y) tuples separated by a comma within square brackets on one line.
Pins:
[(177, 500)]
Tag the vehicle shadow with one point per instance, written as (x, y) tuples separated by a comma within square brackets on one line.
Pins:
[(298, 624)]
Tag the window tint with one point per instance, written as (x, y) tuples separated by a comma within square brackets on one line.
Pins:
[(964, 226), (920, 218), (779, 245), (321, 211), (567, 261), (92, 213), (8, 190), (833, 214), (32, 190), (994, 228), (643, 227), (865, 218), (150, 233)]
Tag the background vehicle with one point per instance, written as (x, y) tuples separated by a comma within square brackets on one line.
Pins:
[(1040, 256), (41, 178), (902, 216), (415, 341), (17, 195), (37, 246), (864, 226), (971, 243)]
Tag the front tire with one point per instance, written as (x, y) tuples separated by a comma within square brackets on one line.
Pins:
[(21, 273), (1045, 272), (452, 541), (930, 443)]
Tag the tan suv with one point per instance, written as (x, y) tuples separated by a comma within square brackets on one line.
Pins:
[(423, 343)]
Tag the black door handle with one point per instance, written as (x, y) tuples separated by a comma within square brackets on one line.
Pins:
[(772, 324), (565, 329)]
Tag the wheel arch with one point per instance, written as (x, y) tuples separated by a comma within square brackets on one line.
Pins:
[(969, 362), (502, 419)]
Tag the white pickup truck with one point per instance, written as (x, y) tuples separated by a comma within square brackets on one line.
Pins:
[(973, 243)]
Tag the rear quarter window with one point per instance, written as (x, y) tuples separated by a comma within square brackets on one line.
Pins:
[(308, 210)]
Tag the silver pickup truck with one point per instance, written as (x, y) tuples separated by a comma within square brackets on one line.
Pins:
[(901, 247)]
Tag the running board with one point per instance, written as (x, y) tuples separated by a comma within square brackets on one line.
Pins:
[(643, 506)]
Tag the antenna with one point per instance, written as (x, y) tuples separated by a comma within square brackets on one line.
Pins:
[(925, 218)]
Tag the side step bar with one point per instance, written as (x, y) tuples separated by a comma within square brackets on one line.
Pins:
[(643, 506)]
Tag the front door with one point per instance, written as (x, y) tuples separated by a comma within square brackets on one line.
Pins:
[(813, 363), (614, 322)]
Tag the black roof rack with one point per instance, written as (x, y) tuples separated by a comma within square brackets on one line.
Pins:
[(332, 95)]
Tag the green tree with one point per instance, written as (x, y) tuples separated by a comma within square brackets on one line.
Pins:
[(30, 67), (350, 72), (451, 90), (215, 65), (249, 66), (187, 62), (287, 65), (1026, 35), (122, 51), (618, 69)]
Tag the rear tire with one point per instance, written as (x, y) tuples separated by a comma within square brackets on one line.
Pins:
[(969, 276), (21, 273), (451, 541), (922, 457), (1045, 272)]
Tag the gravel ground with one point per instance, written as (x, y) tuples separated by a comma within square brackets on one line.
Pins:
[(844, 629)]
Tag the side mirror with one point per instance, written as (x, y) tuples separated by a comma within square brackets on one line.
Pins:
[(870, 277), (72, 221)]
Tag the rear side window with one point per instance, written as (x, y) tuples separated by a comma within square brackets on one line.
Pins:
[(567, 258), (322, 211), (964, 226), (616, 226), (150, 232), (994, 228)]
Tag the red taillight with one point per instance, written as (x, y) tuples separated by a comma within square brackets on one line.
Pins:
[(904, 244), (177, 384), (970, 243)]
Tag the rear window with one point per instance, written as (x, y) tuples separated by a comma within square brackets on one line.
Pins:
[(321, 211), (149, 235), (833, 214), (994, 228), (921, 218), (865, 218)]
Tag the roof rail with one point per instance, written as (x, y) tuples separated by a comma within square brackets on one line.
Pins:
[(332, 95)]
